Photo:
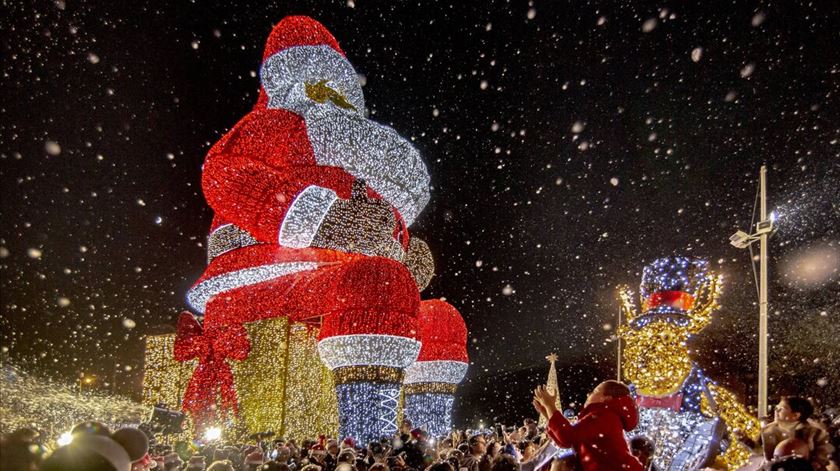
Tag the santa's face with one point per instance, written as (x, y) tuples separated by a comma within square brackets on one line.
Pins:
[(321, 71), (319, 84)]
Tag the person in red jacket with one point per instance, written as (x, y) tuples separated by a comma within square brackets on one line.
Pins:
[(598, 435)]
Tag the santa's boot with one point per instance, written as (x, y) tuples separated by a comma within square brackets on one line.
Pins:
[(367, 342), (431, 381)]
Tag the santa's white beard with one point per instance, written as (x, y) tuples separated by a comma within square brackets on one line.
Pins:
[(368, 150), (388, 163)]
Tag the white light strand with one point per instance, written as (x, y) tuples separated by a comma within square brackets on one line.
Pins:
[(296, 65), (372, 349), (305, 215), (435, 372), (199, 294), (389, 402)]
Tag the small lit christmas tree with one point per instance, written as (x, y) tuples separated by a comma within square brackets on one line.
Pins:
[(551, 385)]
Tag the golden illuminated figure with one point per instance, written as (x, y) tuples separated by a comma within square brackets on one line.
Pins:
[(693, 420)]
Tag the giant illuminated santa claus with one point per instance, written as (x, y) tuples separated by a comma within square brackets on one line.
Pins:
[(312, 205)]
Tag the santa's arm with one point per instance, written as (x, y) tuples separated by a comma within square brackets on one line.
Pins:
[(285, 205), (738, 422)]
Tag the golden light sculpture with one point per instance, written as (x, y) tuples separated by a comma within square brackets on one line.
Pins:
[(165, 379), (311, 407), (261, 378), (693, 420)]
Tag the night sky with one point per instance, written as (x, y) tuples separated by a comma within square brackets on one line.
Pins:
[(569, 143)]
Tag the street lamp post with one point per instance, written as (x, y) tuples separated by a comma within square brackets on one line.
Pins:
[(762, 300), (763, 229)]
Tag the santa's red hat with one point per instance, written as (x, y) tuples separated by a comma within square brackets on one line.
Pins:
[(294, 31), (300, 49)]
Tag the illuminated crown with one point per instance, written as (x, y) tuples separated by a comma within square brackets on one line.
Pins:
[(678, 290)]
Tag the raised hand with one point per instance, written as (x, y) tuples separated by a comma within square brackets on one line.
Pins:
[(538, 407), (546, 399)]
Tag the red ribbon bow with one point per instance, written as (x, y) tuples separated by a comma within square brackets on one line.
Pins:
[(211, 346)]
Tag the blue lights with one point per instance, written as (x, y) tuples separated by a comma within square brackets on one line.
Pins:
[(367, 411), (430, 411), (673, 274)]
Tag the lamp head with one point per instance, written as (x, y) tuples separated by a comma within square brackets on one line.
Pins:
[(740, 240)]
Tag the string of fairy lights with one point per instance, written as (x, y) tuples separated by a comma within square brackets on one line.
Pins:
[(54, 407)]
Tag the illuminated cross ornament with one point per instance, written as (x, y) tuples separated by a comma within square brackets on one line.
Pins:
[(389, 402), (690, 417), (312, 204)]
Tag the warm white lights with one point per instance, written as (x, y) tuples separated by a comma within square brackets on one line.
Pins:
[(212, 434)]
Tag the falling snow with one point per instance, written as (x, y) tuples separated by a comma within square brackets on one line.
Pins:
[(568, 145)]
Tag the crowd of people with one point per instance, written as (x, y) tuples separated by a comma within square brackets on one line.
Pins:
[(797, 439)]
